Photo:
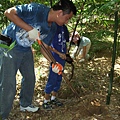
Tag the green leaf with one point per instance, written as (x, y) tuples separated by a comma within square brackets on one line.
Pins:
[(12, 45), (8, 47), (4, 46)]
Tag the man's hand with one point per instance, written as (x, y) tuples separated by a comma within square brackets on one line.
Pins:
[(57, 68), (34, 34), (63, 56)]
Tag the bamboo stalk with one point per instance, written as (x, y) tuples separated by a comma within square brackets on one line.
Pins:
[(113, 60)]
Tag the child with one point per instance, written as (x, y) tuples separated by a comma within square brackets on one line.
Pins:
[(59, 49), (83, 45)]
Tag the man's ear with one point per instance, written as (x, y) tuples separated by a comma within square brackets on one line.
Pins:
[(59, 13)]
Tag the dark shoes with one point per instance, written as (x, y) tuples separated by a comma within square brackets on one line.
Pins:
[(56, 102), (49, 105)]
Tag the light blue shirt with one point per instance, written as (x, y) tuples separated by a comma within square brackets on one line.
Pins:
[(84, 42)]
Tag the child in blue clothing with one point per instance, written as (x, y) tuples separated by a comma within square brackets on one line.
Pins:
[(59, 50), (29, 22)]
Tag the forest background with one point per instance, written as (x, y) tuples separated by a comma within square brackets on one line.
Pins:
[(97, 81)]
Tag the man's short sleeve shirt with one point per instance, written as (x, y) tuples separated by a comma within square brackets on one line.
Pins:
[(35, 15)]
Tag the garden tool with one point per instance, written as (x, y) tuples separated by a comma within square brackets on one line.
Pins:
[(54, 61), (70, 61)]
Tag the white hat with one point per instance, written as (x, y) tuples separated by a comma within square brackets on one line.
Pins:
[(76, 33), (75, 38)]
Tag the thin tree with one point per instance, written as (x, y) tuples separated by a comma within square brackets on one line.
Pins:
[(113, 59)]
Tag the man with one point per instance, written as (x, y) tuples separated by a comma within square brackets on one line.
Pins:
[(29, 22), (83, 45)]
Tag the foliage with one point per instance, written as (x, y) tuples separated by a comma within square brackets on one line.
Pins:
[(94, 12), (93, 15), (8, 47)]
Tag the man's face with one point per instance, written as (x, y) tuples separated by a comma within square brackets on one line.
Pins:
[(63, 18)]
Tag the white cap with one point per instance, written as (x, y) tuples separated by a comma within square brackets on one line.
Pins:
[(75, 38), (76, 33)]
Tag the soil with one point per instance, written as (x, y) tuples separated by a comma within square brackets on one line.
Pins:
[(91, 82)]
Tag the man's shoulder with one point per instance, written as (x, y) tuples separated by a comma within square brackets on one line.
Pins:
[(34, 5)]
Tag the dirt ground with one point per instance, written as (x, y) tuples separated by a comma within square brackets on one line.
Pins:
[(90, 80)]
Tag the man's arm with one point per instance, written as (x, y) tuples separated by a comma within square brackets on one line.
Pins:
[(11, 14)]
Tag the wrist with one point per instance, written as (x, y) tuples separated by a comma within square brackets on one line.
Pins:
[(29, 28)]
